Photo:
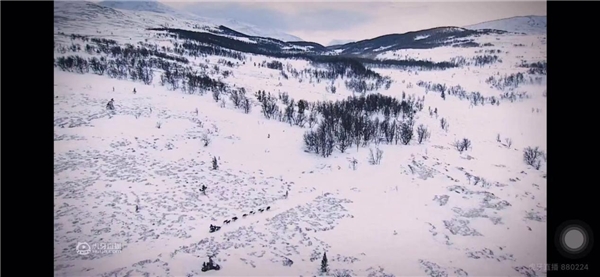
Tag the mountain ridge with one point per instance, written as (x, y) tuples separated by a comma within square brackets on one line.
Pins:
[(530, 24)]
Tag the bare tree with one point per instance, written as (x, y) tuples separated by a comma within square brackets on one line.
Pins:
[(216, 95), (462, 145), (375, 158), (353, 163), (205, 139), (246, 105), (444, 124), (508, 142), (534, 157), (422, 133)]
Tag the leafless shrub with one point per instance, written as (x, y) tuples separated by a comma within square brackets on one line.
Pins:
[(508, 142), (462, 145), (534, 157), (246, 105), (216, 95), (444, 124), (422, 133), (375, 158), (205, 139), (353, 163)]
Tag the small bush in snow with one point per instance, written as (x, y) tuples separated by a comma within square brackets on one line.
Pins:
[(444, 124), (246, 105), (498, 139), (353, 163), (462, 145), (158, 124), (237, 97), (205, 139), (375, 158), (508, 142), (215, 163), (216, 95), (422, 133), (534, 157), (406, 132)]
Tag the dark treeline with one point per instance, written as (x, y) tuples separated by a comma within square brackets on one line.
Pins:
[(118, 68), (479, 60), (196, 50), (512, 81), (358, 78), (128, 51), (474, 97), (408, 63), (137, 66), (540, 68)]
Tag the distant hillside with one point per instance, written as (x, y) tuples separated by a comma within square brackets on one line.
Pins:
[(532, 25), (157, 7), (423, 39), (339, 42)]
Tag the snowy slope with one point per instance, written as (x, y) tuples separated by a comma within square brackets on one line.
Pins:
[(532, 25), (425, 210), (147, 6), (155, 6), (252, 30)]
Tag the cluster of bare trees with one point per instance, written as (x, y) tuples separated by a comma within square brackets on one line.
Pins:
[(474, 97), (119, 68), (356, 121)]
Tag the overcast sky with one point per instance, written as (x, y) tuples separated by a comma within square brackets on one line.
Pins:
[(324, 21)]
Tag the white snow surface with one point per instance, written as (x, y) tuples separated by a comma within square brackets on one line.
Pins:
[(531, 25), (426, 210)]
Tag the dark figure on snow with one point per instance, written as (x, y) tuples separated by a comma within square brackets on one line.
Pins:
[(244, 215), (214, 228), (111, 104), (137, 208), (134, 91), (234, 218), (268, 208), (211, 265), (286, 194)]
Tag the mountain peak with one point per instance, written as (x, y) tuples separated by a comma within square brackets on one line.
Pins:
[(530, 24)]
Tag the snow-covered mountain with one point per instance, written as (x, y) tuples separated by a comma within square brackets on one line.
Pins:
[(157, 7), (531, 25), (252, 30), (148, 6)]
